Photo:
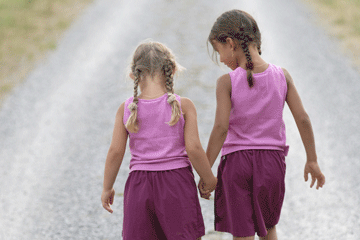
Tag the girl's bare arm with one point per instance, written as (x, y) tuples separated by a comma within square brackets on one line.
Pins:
[(193, 145), (301, 118), (114, 158), (306, 132), (221, 125)]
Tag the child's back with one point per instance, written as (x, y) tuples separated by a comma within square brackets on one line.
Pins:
[(256, 115), (157, 146)]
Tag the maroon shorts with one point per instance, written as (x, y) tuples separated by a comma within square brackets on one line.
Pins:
[(250, 192), (162, 205)]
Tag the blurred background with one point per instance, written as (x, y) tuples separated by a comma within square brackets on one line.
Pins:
[(63, 76)]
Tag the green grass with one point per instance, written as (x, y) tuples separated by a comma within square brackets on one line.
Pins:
[(342, 19), (356, 24), (356, 29), (30, 28), (344, 13), (48, 46), (62, 25), (5, 88), (330, 3)]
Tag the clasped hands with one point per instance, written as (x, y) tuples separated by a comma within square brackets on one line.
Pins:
[(206, 187)]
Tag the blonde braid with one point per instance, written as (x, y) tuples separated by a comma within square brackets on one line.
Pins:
[(132, 122), (169, 84)]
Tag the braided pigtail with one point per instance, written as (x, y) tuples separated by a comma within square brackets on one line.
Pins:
[(169, 83), (132, 122), (249, 64)]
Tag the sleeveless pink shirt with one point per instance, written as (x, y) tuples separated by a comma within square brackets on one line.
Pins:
[(156, 146), (256, 117)]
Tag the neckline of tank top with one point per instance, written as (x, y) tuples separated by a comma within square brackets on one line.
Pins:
[(153, 99), (255, 74)]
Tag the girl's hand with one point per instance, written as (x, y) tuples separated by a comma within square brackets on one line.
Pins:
[(316, 174), (206, 187), (204, 194), (107, 199)]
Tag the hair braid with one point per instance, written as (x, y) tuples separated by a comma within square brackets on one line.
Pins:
[(169, 84), (249, 64), (132, 122), (168, 72)]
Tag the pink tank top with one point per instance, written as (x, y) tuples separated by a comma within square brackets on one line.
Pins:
[(256, 117), (156, 146)]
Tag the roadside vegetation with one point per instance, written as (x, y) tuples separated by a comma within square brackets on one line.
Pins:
[(28, 30), (342, 19)]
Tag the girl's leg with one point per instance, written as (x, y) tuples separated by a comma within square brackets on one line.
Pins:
[(271, 235), (244, 238)]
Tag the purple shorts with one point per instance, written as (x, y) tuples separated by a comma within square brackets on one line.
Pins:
[(250, 192), (162, 205)]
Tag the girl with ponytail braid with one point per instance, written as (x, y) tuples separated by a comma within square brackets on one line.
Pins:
[(160, 197), (250, 132)]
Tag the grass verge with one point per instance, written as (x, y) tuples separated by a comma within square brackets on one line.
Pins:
[(31, 28), (342, 19), (28, 30)]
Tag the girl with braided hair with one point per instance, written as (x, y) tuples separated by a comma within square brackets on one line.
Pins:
[(160, 197), (250, 132)]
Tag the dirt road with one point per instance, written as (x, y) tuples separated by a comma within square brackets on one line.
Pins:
[(55, 129)]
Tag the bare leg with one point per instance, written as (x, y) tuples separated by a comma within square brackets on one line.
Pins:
[(244, 238), (271, 235)]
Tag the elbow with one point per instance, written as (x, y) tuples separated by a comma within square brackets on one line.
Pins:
[(304, 119), (193, 148), (221, 129), (115, 152)]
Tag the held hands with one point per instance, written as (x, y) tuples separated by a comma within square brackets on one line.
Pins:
[(316, 174), (107, 199), (206, 187)]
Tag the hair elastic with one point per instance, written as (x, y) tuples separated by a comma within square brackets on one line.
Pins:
[(171, 98), (132, 106)]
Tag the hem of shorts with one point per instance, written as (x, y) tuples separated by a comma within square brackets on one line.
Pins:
[(236, 235), (199, 235)]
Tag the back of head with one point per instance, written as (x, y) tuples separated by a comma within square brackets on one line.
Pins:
[(150, 59), (242, 28)]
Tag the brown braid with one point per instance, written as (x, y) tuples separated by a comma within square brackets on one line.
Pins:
[(249, 64)]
